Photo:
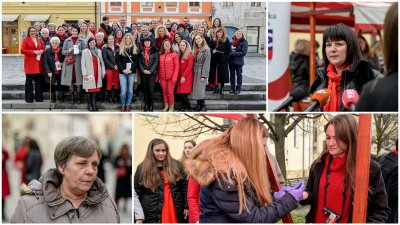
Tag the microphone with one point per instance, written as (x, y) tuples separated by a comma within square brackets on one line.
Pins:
[(296, 95), (319, 99), (350, 98)]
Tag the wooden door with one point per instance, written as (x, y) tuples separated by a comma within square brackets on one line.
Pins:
[(10, 39)]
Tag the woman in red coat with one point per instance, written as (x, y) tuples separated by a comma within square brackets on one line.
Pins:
[(161, 35), (185, 75), (33, 50), (5, 183), (168, 70)]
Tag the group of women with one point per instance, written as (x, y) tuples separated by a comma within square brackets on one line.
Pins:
[(183, 61)]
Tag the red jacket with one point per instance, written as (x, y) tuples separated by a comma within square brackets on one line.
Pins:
[(160, 40), (193, 198), (168, 67), (31, 65), (186, 71)]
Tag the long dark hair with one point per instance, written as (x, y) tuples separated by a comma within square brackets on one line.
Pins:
[(150, 177), (340, 32)]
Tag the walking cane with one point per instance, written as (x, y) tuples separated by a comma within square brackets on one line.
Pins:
[(50, 94)]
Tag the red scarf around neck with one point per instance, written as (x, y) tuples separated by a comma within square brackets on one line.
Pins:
[(56, 51), (334, 85), (62, 37), (236, 42), (146, 55)]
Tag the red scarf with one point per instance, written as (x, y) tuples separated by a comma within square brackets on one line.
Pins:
[(56, 51), (93, 31), (334, 85), (146, 55), (334, 192), (236, 42), (118, 40), (62, 37), (99, 45)]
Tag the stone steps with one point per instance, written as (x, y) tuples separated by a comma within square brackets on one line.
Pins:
[(252, 98)]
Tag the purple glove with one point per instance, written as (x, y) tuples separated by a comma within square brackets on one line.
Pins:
[(279, 194), (297, 191)]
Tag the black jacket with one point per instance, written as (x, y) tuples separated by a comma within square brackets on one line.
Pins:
[(152, 202), (237, 55), (300, 70), (354, 78), (109, 57), (153, 61), (49, 62), (389, 165), (220, 61), (377, 210), (129, 57), (380, 95)]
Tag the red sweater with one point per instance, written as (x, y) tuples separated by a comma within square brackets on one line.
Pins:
[(168, 67), (334, 192), (186, 71), (193, 198), (160, 40)]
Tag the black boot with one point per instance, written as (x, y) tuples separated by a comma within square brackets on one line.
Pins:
[(221, 90), (116, 95), (89, 97), (53, 97), (198, 108), (216, 90), (203, 106), (79, 98), (60, 97), (151, 108), (73, 97), (94, 102), (110, 97)]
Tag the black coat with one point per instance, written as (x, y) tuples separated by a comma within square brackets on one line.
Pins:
[(129, 57), (33, 164), (220, 61), (389, 165), (49, 62), (123, 168), (380, 95), (109, 57), (354, 78), (237, 55), (377, 210), (153, 61), (300, 70), (220, 204), (152, 202)]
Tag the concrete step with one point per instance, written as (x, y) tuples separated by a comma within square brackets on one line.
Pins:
[(219, 105), (244, 95), (245, 87)]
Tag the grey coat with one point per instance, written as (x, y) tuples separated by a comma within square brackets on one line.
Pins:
[(201, 70), (41, 203), (87, 69), (66, 74), (137, 207)]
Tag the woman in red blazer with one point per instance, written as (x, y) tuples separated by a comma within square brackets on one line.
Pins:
[(185, 75), (168, 70), (33, 50)]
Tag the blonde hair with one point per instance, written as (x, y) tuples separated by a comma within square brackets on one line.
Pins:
[(204, 45), (241, 31), (302, 47), (123, 46), (223, 38), (186, 53), (237, 157), (161, 27)]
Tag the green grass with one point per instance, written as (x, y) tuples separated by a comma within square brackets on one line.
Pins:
[(297, 218)]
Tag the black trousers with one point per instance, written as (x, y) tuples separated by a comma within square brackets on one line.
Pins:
[(184, 98), (38, 80), (148, 82)]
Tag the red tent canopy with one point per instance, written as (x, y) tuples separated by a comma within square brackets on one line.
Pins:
[(366, 16)]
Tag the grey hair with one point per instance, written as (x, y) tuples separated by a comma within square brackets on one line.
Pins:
[(44, 29), (56, 39), (100, 34), (75, 145)]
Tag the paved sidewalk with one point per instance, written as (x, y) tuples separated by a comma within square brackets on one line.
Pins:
[(254, 70)]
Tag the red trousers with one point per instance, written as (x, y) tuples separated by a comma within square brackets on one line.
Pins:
[(168, 91), (112, 76)]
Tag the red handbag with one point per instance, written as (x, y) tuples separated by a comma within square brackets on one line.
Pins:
[(69, 60)]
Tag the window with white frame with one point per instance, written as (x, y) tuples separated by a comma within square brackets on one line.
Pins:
[(147, 4), (116, 5), (227, 4), (171, 7), (255, 4), (194, 4)]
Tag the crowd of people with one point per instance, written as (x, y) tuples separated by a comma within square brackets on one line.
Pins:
[(225, 180), (349, 63), (107, 63)]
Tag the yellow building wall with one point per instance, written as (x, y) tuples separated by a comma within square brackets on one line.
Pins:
[(59, 12), (143, 134)]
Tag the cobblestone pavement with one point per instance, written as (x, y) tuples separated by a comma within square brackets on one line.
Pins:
[(254, 70)]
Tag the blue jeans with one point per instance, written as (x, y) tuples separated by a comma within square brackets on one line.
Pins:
[(126, 87), (238, 69)]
